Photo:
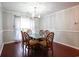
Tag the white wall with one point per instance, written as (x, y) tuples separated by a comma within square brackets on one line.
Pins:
[(8, 25), (61, 22), (63, 25), (1, 31), (48, 22), (8, 30), (0, 24)]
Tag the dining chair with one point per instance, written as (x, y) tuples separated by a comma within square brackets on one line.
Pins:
[(23, 41), (49, 41), (29, 31), (30, 43), (41, 32), (27, 38)]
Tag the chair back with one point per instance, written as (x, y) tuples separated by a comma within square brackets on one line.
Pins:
[(27, 37), (29, 31), (41, 32), (46, 32), (23, 38), (50, 37)]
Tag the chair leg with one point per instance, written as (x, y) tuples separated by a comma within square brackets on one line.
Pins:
[(52, 50), (28, 51), (23, 50), (47, 51)]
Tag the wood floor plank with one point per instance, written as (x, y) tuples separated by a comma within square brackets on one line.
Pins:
[(15, 50)]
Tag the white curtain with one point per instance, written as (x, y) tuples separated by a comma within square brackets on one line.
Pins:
[(18, 28), (23, 23), (27, 23)]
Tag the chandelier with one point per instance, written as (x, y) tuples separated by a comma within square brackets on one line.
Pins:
[(35, 13), (35, 9)]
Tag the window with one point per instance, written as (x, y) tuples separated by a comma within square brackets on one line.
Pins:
[(23, 23)]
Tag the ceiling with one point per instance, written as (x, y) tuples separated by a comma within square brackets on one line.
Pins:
[(48, 7)]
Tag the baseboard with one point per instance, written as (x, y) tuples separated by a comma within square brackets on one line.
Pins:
[(9, 42), (1, 48), (67, 45)]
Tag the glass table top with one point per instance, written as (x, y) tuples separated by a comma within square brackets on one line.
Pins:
[(36, 35)]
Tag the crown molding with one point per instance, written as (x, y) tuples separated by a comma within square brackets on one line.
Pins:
[(14, 12)]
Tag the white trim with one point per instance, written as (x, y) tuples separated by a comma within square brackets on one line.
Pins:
[(14, 12), (67, 45), (62, 10), (8, 30), (9, 42), (66, 31), (1, 48)]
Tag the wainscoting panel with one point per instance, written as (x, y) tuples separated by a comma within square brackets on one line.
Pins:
[(67, 38)]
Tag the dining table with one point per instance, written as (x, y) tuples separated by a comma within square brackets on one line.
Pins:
[(36, 35), (37, 39)]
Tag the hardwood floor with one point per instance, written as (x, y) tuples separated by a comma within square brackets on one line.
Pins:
[(15, 50)]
